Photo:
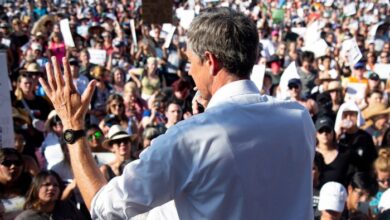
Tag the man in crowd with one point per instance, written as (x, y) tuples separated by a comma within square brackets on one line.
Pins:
[(205, 163)]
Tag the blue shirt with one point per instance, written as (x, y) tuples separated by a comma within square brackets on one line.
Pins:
[(246, 157)]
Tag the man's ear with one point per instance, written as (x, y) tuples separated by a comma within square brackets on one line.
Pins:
[(212, 63)]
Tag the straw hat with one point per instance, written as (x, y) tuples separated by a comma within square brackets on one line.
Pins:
[(32, 68), (18, 113), (375, 110), (116, 132), (97, 72)]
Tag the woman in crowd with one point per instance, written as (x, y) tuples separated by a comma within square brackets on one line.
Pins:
[(134, 104), (14, 183), (120, 143), (377, 117), (150, 80), (51, 148), (118, 80), (56, 46), (338, 163), (44, 199), (382, 173), (100, 96)]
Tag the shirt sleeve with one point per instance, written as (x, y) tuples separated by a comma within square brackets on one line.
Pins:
[(151, 181)]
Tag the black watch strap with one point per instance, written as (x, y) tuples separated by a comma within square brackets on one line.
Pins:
[(71, 136)]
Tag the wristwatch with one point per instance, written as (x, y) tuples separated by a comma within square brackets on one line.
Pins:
[(71, 136)]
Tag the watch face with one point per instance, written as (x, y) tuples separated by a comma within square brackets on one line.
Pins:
[(68, 136)]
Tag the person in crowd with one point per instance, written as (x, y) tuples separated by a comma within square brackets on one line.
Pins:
[(85, 66), (30, 165), (332, 201), (80, 81), (173, 114), (360, 191), (14, 183), (382, 173), (101, 94), (318, 165), (43, 199), (150, 80), (118, 80), (350, 136), (154, 115), (377, 119), (134, 104), (223, 83), (336, 93), (339, 164), (295, 90), (307, 73), (119, 141), (51, 148), (57, 46)]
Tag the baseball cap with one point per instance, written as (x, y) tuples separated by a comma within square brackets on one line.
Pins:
[(294, 81), (332, 197), (36, 46), (324, 122), (374, 76), (359, 65)]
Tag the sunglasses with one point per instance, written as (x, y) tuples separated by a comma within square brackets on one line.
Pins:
[(384, 181), (325, 129), (119, 141), (293, 87), (97, 135), (9, 163)]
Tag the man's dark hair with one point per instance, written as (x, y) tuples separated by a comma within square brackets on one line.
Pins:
[(364, 181), (307, 56), (229, 35)]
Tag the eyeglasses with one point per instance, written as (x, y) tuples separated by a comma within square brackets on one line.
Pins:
[(384, 181), (119, 141), (97, 135), (9, 163)]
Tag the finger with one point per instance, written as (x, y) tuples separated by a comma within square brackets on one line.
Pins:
[(50, 77), (87, 96), (67, 74), (57, 73), (45, 86)]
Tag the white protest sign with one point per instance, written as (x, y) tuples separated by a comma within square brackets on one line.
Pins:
[(165, 29), (82, 30), (356, 91), (319, 48), (66, 33), (97, 56), (6, 123), (313, 33), (169, 37), (351, 51), (290, 72), (6, 42), (354, 54), (301, 31), (186, 17), (133, 34), (350, 9), (257, 75), (328, 3), (383, 70), (372, 32)]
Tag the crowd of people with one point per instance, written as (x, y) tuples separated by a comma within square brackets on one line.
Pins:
[(144, 88)]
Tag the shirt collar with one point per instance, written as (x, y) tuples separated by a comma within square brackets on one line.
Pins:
[(239, 87)]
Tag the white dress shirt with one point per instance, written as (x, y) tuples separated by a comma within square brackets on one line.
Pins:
[(246, 157)]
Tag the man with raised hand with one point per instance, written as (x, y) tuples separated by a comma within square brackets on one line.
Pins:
[(246, 157)]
